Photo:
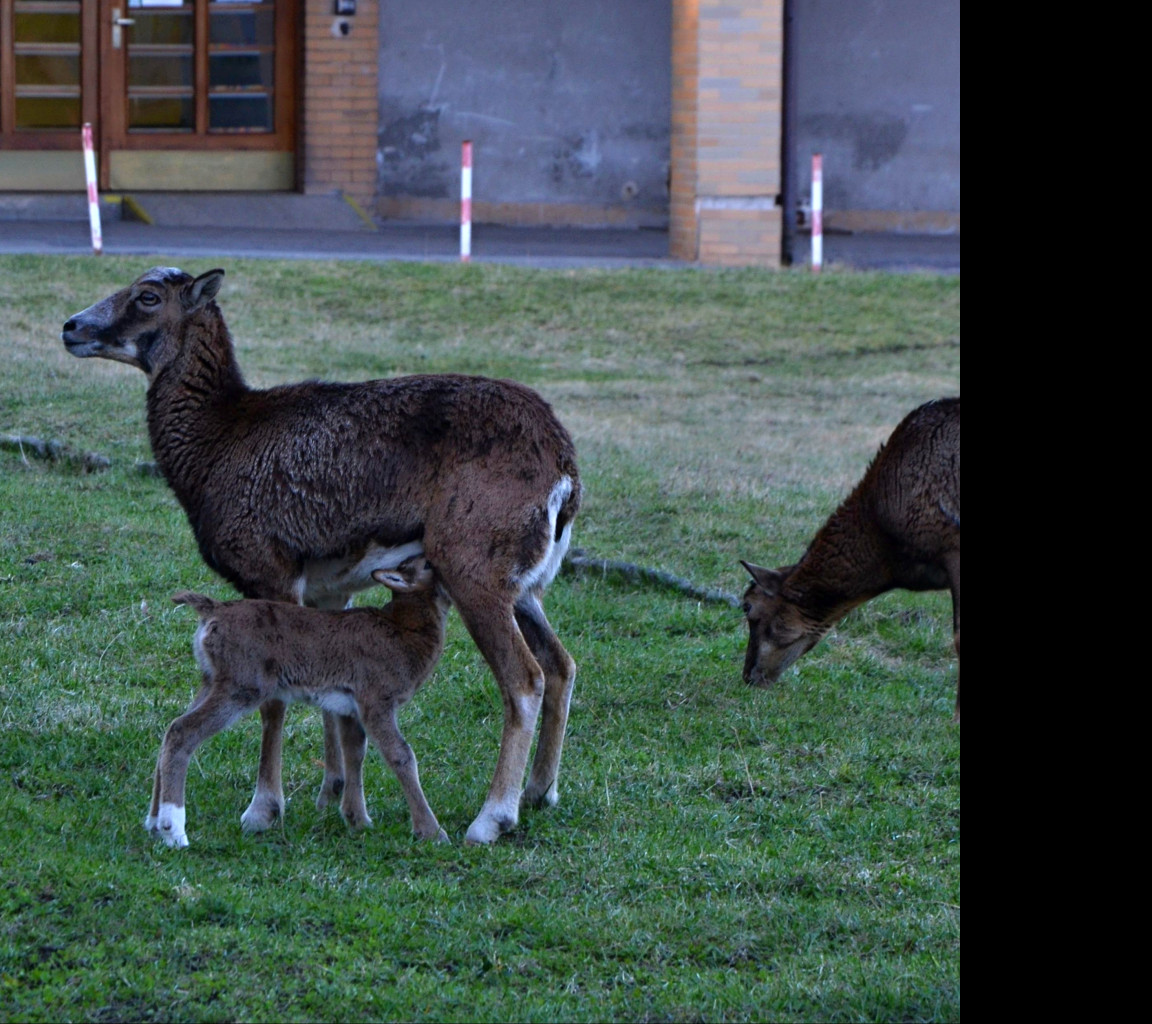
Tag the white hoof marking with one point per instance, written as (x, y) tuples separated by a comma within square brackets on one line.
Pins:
[(170, 825), (491, 822)]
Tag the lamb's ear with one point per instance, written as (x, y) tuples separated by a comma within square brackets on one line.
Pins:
[(203, 289), (393, 579), (768, 580)]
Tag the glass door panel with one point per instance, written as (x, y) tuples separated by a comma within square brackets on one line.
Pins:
[(241, 66), (163, 39), (46, 64), (161, 87)]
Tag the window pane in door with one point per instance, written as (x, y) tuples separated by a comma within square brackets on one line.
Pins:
[(47, 112), (161, 113), (240, 70), (162, 27), (241, 66), (148, 71), (42, 26), (161, 69), (246, 25), (46, 64), (239, 112), (46, 70)]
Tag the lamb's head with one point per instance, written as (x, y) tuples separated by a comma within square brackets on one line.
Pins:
[(415, 576), (139, 325), (779, 630)]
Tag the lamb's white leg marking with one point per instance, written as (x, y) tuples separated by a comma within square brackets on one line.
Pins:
[(169, 824)]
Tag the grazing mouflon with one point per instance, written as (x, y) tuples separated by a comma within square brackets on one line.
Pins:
[(899, 528)]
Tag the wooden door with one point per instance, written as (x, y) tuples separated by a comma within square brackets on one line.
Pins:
[(182, 94)]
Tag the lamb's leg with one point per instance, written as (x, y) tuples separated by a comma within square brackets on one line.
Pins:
[(354, 745), (184, 735), (267, 805), (490, 619), (154, 807), (381, 723), (332, 785), (559, 678)]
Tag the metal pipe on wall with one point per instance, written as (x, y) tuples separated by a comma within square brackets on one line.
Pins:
[(788, 204)]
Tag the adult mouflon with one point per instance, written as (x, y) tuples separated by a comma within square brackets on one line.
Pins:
[(300, 492)]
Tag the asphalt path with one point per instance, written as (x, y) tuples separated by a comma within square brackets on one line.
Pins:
[(542, 247)]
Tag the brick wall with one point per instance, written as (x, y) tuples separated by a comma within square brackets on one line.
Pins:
[(339, 121), (726, 107)]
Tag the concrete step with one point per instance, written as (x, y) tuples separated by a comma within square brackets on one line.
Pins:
[(52, 206), (256, 210), (262, 210)]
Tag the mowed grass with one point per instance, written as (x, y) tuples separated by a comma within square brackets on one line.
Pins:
[(718, 853)]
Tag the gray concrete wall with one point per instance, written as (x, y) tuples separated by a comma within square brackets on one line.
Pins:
[(878, 93), (567, 104)]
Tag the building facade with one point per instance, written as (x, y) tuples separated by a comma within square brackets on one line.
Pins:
[(664, 114)]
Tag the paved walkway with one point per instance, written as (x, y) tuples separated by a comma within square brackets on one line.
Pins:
[(542, 247)]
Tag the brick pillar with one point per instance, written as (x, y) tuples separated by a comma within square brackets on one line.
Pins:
[(339, 121), (727, 64), (683, 242)]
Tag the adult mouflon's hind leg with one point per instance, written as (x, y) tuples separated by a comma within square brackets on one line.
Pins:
[(559, 678), (491, 621)]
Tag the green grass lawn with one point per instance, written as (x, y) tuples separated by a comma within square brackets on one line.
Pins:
[(719, 853)]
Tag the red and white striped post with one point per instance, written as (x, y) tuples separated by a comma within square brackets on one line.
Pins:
[(466, 201), (817, 211), (93, 200)]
